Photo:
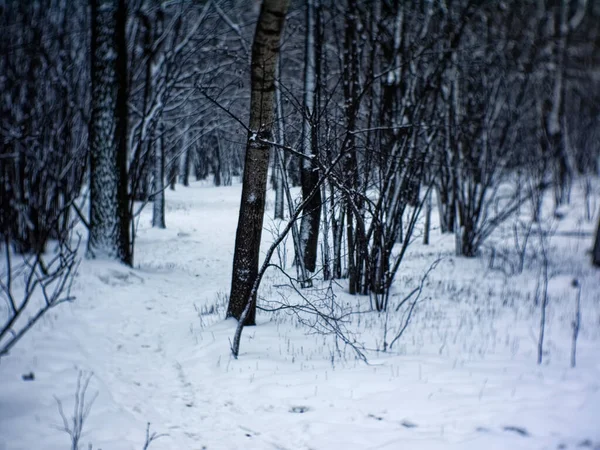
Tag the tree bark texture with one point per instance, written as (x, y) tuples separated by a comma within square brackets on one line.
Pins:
[(109, 200), (265, 52)]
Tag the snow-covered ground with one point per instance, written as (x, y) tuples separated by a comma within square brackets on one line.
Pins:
[(462, 376)]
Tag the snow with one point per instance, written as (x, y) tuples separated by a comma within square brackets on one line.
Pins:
[(463, 376)]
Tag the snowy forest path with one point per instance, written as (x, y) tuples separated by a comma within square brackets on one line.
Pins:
[(155, 339), (156, 317)]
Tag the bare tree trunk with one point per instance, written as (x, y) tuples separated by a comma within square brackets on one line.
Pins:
[(555, 119), (279, 170), (109, 200), (185, 159), (157, 129), (217, 163), (309, 226), (350, 163), (278, 158), (596, 251), (454, 147), (325, 249), (158, 197), (265, 53), (428, 207), (301, 269), (173, 168), (567, 21)]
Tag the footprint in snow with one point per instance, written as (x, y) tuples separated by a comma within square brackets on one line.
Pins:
[(408, 424), (405, 423), (119, 278), (583, 445), (373, 416), (519, 430), (299, 409)]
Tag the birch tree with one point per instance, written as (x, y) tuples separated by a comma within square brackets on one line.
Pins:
[(265, 51), (109, 200), (155, 30)]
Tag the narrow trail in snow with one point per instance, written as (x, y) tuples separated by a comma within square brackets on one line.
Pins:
[(155, 338)]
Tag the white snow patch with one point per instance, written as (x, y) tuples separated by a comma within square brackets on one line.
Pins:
[(462, 377)]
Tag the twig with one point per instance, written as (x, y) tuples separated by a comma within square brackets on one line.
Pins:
[(235, 347), (151, 437), (81, 410), (544, 305), (412, 306), (576, 323)]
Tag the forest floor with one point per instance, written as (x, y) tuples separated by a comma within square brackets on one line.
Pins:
[(463, 375)]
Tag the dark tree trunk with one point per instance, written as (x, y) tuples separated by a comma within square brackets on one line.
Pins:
[(596, 251), (109, 201), (173, 170), (158, 196), (309, 226), (185, 176), (217, 166), (350, 162), (555, 122), (201, 164), (279, 171), (265, 52), (426, 230)]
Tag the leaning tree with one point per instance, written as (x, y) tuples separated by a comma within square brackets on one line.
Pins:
[(265, 51)]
